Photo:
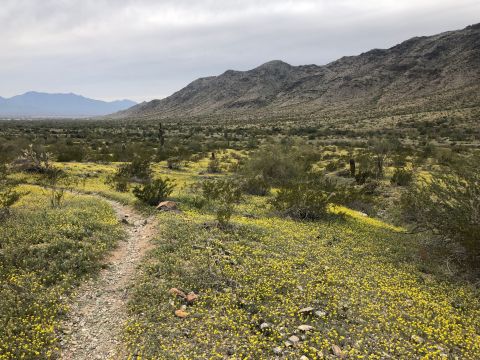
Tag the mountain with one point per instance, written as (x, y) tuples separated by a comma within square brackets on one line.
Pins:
[(418, 72), (36, 104)]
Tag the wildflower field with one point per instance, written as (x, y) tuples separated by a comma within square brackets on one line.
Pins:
[(346, 286), (269, 287), (44, 253)]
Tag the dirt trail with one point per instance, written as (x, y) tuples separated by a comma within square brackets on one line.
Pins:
[(93, 329)]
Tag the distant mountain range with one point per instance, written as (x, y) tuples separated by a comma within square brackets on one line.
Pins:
[(37, 104), (422, 71)]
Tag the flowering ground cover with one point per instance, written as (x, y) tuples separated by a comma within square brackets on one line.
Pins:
[(44, 253), (270, 287)]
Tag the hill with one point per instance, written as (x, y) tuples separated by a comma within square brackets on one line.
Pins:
[(429, 70), (37, 104)]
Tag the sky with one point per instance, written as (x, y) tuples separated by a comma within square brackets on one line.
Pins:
[(148, 49)]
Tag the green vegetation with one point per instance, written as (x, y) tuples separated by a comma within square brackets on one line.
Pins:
[(44, 252), (154, 191), (347, 235)]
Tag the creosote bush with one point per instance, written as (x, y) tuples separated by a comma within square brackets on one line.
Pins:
[(224, 194), (8, 195), (402, 177), (139, 170), (279, 164), (448, 205), (155, 191), (309, 198)]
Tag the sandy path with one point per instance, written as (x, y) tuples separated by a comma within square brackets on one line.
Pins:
[(94, 326)]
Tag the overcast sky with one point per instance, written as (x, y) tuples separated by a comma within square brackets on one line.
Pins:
[(146, 49)]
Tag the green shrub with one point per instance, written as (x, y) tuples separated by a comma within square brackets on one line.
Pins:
[(308, 199), (401, 177), (139, 170), (256, 185), (214, 166), (8, 195), (448, 205), (155, 191), (224, 194), (279, 164), (173, 163), (332, 166)]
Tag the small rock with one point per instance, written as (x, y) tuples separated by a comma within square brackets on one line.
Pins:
[(264, 326), (181, 313), (306, 310), (176, 292), (303, 357), (294, 339), (305, 328), (124, 221), (277, 350), (320, 313), (167, 206), (418, 339), (337, 351), (191, 297)]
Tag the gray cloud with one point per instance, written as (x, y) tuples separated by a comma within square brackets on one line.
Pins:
[(144, 49)]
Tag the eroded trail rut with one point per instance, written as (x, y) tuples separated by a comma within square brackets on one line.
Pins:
[(93, 329)]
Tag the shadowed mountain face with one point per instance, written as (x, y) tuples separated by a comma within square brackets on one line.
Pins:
[(419, 71), (35, 104)]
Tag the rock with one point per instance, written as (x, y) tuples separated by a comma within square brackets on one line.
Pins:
[(418, 339), (167, 206), (191, 297), (337, 351), (181, 313), (264, 326), (303, 357), (305, 328), (294, 339), (124, 221), (176, 292), (277, 350), (320, 313), (306, 310)]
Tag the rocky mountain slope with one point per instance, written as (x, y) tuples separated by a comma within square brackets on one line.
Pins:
[(423, 70), (36, 104)]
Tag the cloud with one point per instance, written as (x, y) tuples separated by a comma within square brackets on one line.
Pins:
[(145, 49)]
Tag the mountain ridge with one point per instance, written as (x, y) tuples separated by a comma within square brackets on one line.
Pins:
[(420, 70), (39, 104)]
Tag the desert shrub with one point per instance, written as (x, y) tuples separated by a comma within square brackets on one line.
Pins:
[(139, 170), (155, 191), (332, 166), (279, 164), (401, 177), (448, 205), (70, 153), (8, 195), (34, 160), (256, 185), (363, 175), (223, 194), (173, 163), (309, 199), (214, 166), (57, 181)]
